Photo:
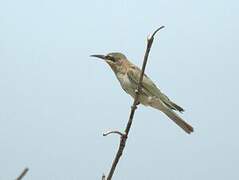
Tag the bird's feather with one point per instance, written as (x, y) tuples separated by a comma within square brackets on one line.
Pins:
[(150, 88)]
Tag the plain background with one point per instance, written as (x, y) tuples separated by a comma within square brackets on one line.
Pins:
[(56, 101)]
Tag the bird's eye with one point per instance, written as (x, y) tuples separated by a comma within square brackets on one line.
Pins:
[(110, 58)]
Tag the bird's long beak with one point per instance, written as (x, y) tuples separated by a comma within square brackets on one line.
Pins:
[(98, 56)]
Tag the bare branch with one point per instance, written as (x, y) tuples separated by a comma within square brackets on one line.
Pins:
[(133, 108), (113, 132), (103, 177), (24, 172)]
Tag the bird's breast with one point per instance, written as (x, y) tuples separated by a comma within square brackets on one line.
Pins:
[(130, 88), (125, 83)]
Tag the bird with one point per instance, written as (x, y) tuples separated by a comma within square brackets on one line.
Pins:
[(128, 75)]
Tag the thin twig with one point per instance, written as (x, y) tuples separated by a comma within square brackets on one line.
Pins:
[(24, 172), (133, 107), (103, 177), (113, 132)]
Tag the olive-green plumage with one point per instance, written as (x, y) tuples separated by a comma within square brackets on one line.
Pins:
[(128, 75)]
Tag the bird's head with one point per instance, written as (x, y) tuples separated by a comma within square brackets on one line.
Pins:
[(113, 59)]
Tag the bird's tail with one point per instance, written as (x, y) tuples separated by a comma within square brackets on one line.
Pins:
[(156, 103)]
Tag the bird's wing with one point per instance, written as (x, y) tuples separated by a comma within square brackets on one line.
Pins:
[(149, 88), (147, 84)]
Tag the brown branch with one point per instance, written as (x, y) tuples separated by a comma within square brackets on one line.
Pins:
[(24, 172), (133, 108)]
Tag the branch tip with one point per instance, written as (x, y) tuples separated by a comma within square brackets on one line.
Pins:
[(24, 172), (161, 27)]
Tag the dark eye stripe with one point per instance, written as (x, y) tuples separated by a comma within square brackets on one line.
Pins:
[(110, 58)]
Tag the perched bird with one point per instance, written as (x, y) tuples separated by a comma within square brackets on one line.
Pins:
[(128, 75)]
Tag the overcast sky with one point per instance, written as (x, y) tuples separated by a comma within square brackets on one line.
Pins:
[(56, 101)]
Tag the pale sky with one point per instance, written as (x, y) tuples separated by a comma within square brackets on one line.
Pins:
[(56, 101)]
